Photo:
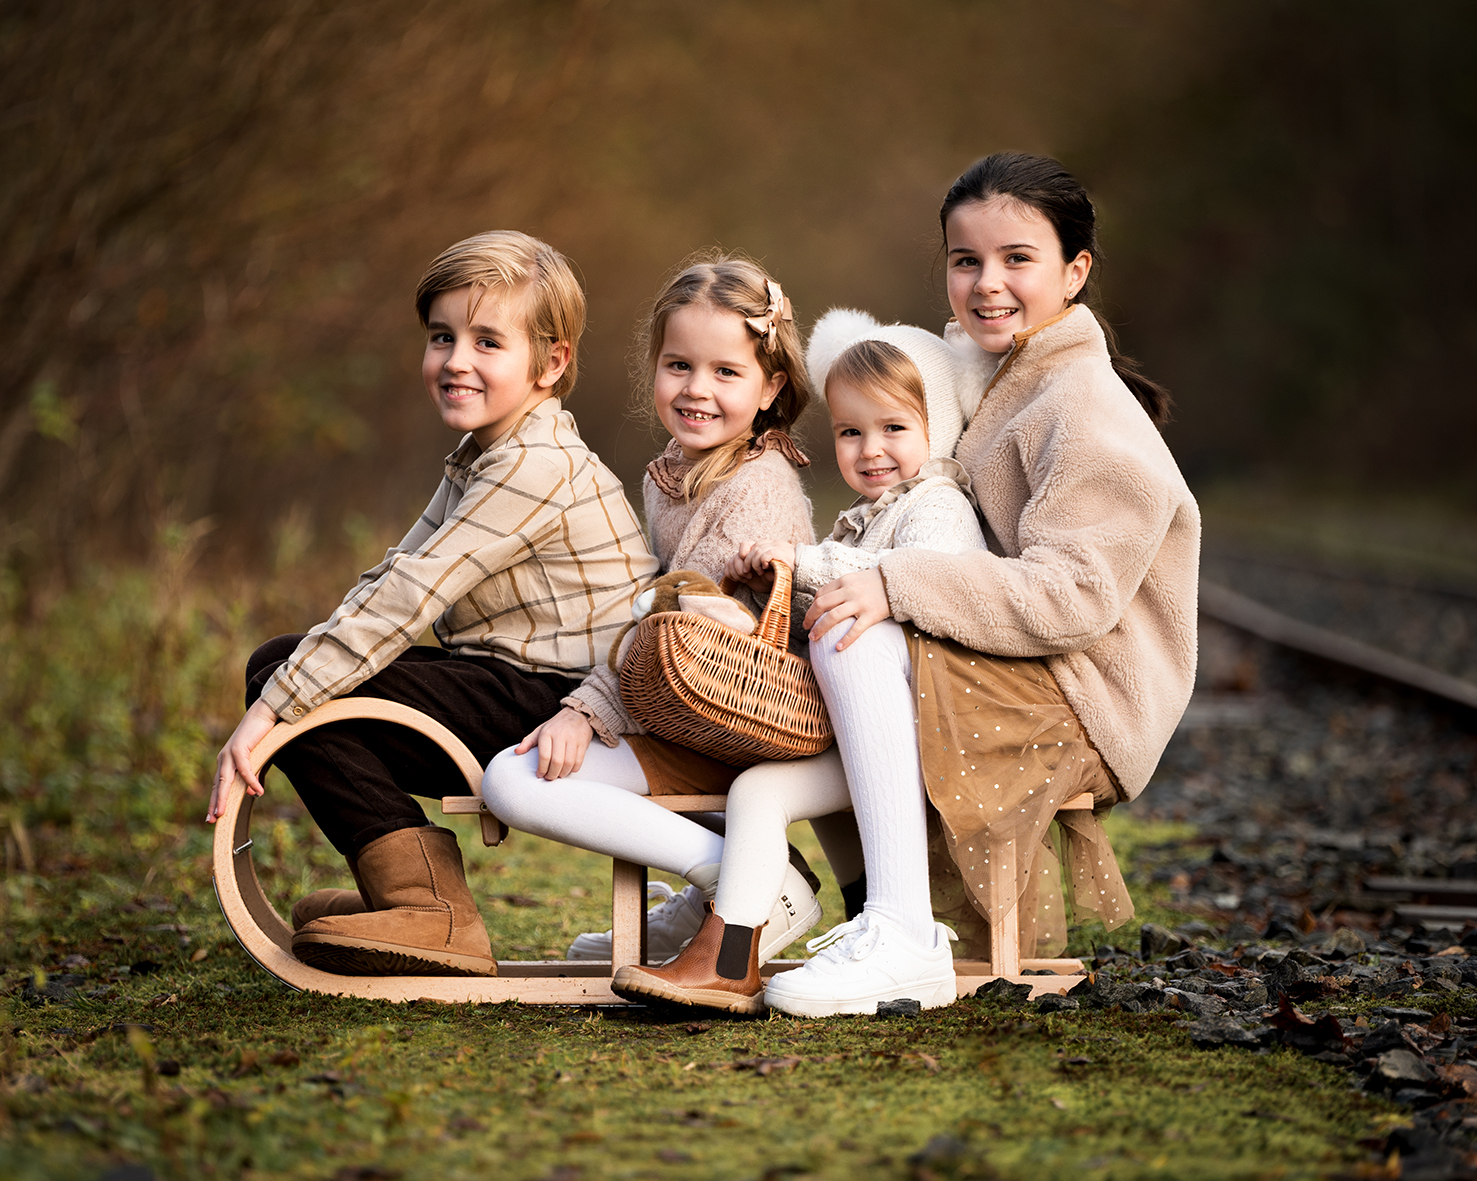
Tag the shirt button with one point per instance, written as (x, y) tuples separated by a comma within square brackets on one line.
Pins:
[(298, 710)]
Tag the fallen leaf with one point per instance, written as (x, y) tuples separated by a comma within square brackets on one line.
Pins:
[(285, 1058), (1459, 1078), (699, 1027), (1059, 1104), (1302, 1032), (246, 1065), (519, 900), (1440, 1024), (199, 954)]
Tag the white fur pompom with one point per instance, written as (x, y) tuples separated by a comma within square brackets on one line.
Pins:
[(833, 334)]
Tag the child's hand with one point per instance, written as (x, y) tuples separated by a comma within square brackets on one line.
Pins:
[(752, 565), (562, 742), (861, 596), (235, 757)]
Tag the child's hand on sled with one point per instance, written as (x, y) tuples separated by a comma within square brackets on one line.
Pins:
[(235, 757), (861, 597), (562, 742), (752, 565)]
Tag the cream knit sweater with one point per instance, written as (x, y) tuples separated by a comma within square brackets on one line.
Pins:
[(763, 500), (930, 511), (1096, 551)]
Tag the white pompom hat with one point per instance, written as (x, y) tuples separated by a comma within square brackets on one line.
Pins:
[(946, 372)]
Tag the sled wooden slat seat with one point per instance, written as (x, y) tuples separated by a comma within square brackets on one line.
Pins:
[(267, 937)]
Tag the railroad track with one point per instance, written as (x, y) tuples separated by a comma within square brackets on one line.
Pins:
[(1324, 794), (1418, 635)]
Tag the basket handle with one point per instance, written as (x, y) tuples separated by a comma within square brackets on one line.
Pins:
[(774, 623)]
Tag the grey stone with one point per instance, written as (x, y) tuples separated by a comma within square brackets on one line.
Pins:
[(1221, 1029), (1388, 1036), (1156, 941), (60, 988), (902, 1007), (1001, 989), (1189, 958), (1054, 1002), (1402, 1068), (940, 1150), (1189, 1002), (1345, 942)]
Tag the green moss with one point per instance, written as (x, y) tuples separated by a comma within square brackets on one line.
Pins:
[(107, 796)]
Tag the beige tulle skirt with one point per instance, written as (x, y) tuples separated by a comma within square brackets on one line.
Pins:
[(1001, 751)]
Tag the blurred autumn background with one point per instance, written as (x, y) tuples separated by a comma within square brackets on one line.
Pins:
[(214, 215)]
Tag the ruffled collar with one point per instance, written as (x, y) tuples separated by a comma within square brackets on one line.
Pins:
[(670, 468), (858, 518)]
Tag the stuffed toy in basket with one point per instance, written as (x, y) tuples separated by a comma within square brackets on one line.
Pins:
[(734, 695)]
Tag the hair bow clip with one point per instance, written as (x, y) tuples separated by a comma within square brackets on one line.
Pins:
[(765, 325)]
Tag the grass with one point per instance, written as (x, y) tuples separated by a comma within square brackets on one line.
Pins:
[(176, 1051)]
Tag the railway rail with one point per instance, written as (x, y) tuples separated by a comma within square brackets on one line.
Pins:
[(1321, 795)]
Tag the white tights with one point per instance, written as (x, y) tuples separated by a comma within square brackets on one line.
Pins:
[(604, 807), (868, 694)]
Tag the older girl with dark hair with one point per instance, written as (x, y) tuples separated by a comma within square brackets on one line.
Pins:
[(1054, 663)]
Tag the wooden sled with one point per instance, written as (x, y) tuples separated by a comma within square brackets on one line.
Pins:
[(267, 937)]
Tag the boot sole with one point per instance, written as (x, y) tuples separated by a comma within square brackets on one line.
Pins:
[(635, 985), (368, 957), (933, 994)]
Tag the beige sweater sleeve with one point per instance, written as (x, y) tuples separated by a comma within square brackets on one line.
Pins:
[(764, 499), (1087, 537)]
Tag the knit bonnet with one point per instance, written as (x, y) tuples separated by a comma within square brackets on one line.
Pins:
[(945, 371)]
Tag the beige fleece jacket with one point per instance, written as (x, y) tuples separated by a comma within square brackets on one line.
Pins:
[(763, 500), (1097, 562)]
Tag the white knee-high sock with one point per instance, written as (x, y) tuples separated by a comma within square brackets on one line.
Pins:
[(870, 699), (762, 804), (603, 806)]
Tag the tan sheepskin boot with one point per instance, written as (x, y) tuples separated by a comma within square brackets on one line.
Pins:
[(424, 921), (719, 969), (322, 903)]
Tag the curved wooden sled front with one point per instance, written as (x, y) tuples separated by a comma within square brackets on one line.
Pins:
[(267, 938)]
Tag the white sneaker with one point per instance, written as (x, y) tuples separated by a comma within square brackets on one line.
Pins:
[(860, 963), (670, 926), (795, 911)]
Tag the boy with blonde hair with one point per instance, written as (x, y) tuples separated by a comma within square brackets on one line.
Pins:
[(525, 562)]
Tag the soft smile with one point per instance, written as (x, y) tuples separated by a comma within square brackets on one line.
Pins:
[(878, 473), (458, 392), (692, 415), (988, 314)]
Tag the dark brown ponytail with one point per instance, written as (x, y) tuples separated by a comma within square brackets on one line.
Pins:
[(1048, 188)]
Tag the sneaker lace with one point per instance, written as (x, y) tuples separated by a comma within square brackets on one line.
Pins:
[(671, 902), (849, 940), (660, 890)]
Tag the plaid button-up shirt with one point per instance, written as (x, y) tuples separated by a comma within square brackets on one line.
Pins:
[(529, 552)]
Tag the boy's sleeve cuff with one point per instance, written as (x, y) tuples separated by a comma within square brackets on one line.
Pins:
[(279, 699)]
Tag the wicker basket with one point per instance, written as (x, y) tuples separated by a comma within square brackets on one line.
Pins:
[(737, 698)]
